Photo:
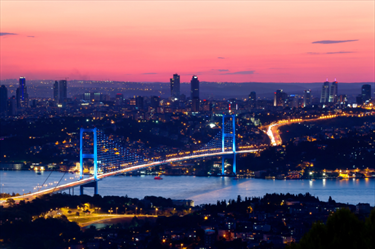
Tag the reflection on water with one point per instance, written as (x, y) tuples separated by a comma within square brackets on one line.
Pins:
[(201, 189)]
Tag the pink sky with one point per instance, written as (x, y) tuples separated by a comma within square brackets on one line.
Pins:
[(250, 41)]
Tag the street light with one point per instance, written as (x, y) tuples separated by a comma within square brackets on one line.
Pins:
[(116, 209)]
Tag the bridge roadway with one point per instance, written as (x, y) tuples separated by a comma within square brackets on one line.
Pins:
[(91, 179)]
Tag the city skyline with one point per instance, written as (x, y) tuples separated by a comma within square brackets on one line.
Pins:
[(221, 41)]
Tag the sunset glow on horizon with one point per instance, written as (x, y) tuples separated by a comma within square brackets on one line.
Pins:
[(245, 41)]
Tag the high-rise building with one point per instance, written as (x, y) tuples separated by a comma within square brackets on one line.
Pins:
[(279, 98), (3, 100), (252, 99), (366, 93), (12, 106), (175, 86), (22, 98), (56, 91), (139, 102), (194, 92), (324, 95), (307, 98), (154, 101), (63, 90), (333, 92)]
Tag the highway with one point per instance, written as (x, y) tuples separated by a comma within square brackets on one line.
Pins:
[(273, 133)]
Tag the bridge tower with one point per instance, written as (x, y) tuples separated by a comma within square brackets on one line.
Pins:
[(233, 136), (94, 156)]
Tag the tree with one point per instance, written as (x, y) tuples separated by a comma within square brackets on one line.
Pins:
[(342, 230), (10, 202)]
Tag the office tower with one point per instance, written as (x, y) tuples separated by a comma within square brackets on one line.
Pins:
[(56, 91), (87, 96), (194, 92), (279, 98), (366, 93), (3, 100), (119, 99), (292, 101), (325, 92), (155, 101), (12, 106), (139, 102), (307, 98), (333, 92), (194, 84), (252, 99), (359, 99), (22, 98), (343, 99), (175, 87), (97, 97), (63, 91)]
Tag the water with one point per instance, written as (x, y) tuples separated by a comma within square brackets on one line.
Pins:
[(200, 189)]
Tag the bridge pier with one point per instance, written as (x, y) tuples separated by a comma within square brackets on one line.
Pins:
[(233, 136), (234, 170), (89, 185)]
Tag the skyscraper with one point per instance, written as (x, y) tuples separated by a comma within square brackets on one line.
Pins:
[(22, 98), (333, 92), (366, 93), (325, 92), (279, 98), (307, 98), (56, 91), (252, 99), (194, 92), (175, 86), (63, 91), (3, 100)]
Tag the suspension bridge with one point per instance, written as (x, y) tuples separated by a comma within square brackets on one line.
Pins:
[(109, 157)]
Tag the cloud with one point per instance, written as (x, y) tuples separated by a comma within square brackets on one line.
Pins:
[(221, 57), (241, 72), (2, 33), (223, 70), (31, 36), (339, 52), (333, 41), (150, 73)]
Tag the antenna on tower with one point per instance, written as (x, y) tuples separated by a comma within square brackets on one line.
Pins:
[(335, 79), (327, 79)]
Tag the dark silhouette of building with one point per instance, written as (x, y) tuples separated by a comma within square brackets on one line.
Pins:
[(3, 100), (366, 93), (194, 92), (333, 92), (139, 102), (60, 91), (252, 99), (12, 106), (175, 87), (63, 90), (119, 98), (155, 100), (56, 91), (307, 98), (324, 95)]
